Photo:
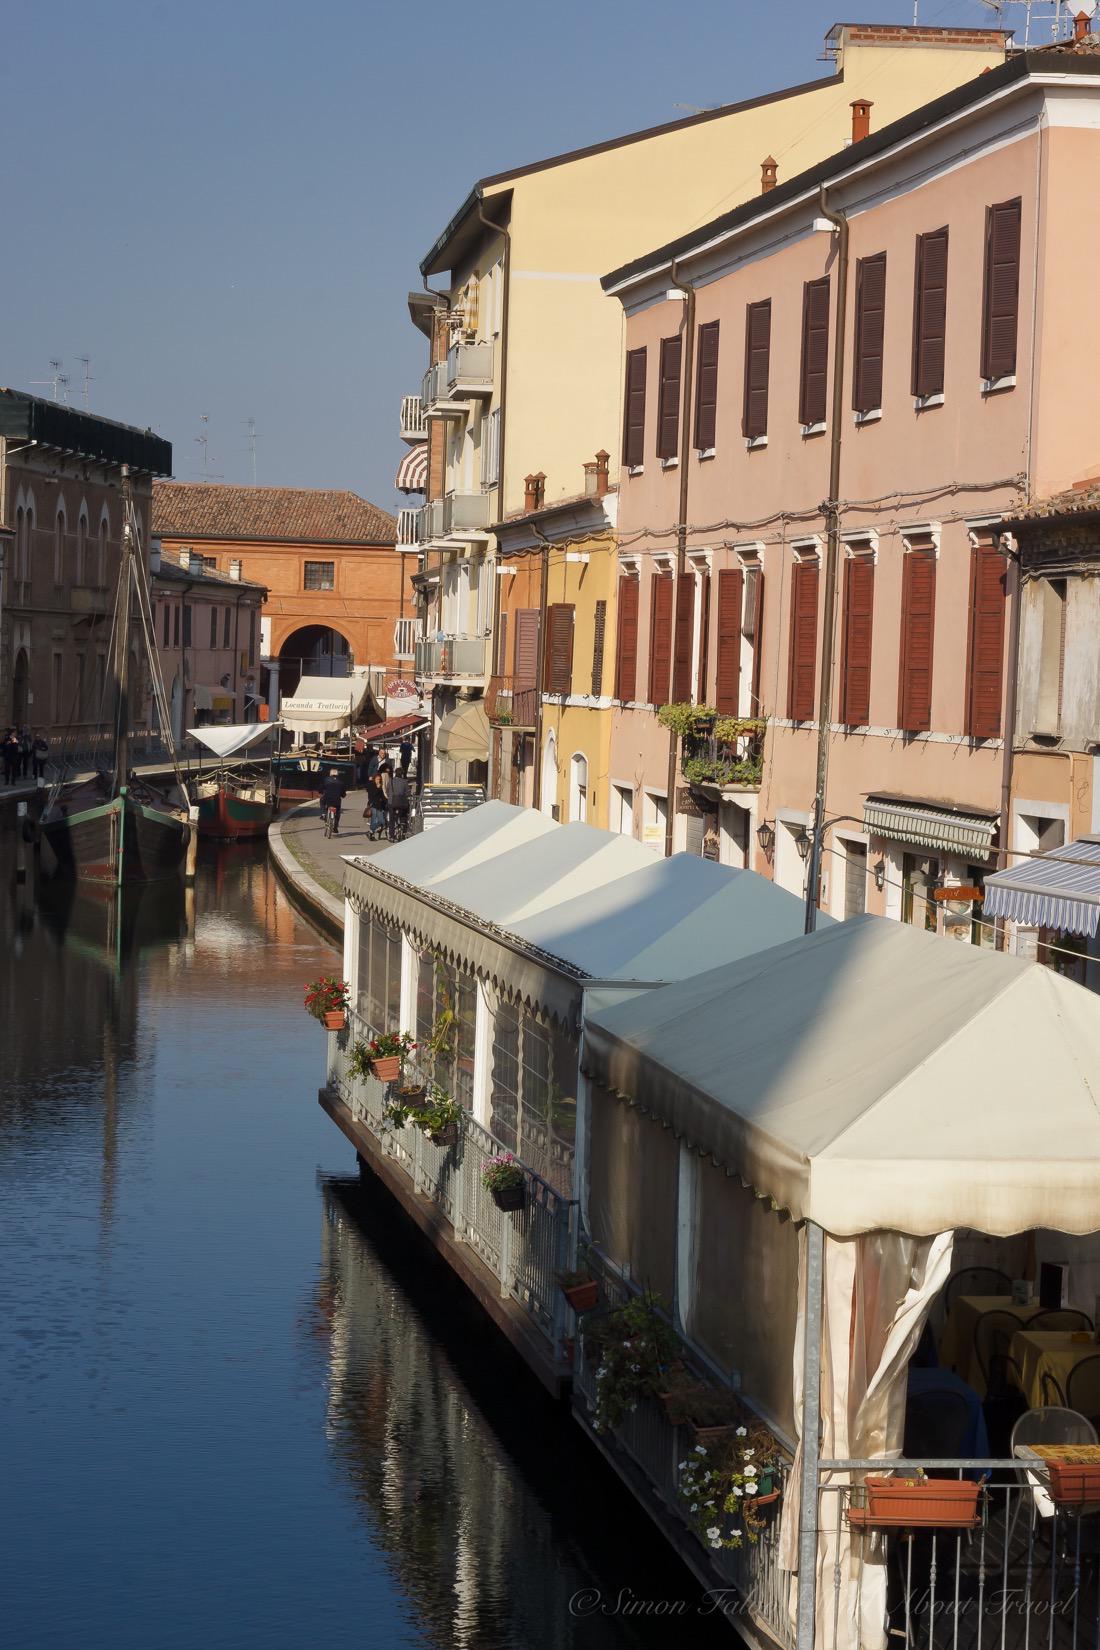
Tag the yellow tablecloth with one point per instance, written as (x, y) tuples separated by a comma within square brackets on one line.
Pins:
[(957, 1349), (1053, 1351)]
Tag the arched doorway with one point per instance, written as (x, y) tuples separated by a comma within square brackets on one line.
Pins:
[(313, 650), (550, 775), (20, 700), (578, 787)]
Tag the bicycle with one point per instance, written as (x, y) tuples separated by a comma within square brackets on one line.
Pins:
[(331, 819), (400, 825)]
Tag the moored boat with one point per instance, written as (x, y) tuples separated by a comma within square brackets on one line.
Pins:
[(234, 803)]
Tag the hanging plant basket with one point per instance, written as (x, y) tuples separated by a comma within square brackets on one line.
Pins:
[(918, 1504), (509, 1198), (335, 1019), (582, 1297), (445, 1137), (414, 1097), (387, 1067)]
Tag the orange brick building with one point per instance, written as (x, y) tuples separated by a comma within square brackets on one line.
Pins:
[(339, 591)]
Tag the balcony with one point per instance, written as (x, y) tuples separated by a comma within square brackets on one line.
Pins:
[(510, 706), (429, 523), (414, 426), (458, 658), (408, 529), (449, 387), (466, 515), (728, 761)]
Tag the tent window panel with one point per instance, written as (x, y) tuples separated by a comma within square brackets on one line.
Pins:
[(379, 994), (504, 1095), (633, 1176)]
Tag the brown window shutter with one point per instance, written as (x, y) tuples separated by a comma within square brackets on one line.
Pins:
[(930, 313), (599, 625), (559, 648), (660, 637), (985, 648), (525, 657), (706, 388), (758, 345), (855, 670), (502, 645), (1001, 298), (626, 646), (685, 628), (815, 352), (918, 623), (727, 688), (668, 399), (634, 415), (802, 663), (870, 325), (704, 636), (757, 599)]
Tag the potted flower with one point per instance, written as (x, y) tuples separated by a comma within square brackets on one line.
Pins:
[(712, 1412), (505, 1181), (725, 1487), (917, 1503), (327, 1000), (387, 1052), (636, 1348), (580, 1289), (395, 1113), (440, 1117)]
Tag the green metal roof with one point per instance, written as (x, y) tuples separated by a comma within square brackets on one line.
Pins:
[(30, 418)]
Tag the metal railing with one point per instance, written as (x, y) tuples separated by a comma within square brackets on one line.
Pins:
[(509, 705), (452, 656), (408, 527), (433, 385), (466, 512), (527, 1250), (414, 426), (470, 367), (727, 764), (429, 523)]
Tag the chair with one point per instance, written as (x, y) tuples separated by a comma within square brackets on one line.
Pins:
[(1053, 1396), (1062, 1317), (976, 1280), (1083, 1386), (992, 1336), (1046, 1426)]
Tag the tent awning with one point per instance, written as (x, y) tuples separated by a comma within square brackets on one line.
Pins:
[(464, 733), (954, 830), (412, 472), (394, 727), (324, 704), (1062, 892), (228, 740)]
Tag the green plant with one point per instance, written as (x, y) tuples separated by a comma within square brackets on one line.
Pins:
[(440, 1112), (442, 1038), (729, 728), (504, 718), (326, 996), (500, 1173), (684, 720), (396, 1112), (721, 1486), (636, 1349), (389, 1043), (717, 770)]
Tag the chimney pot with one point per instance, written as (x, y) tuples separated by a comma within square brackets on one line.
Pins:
[(768, 168), (861, 118), (534, 488), (235, 570), (603, 459), (1082, 23)]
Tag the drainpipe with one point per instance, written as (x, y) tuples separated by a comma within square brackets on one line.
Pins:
[(1014, 593), (544, 594), (832, 557), (501, 229), (681, 527)]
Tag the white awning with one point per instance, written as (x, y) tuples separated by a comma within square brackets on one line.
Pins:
[(324, 704), (228, 740), (463, 734), (212, 698), (871, 1076), (1060, 892), (954, 830)]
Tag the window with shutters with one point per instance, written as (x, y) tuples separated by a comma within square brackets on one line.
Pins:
[(802, 663), (855, 666), (706, 388), (985, 642), (661, 590), (1001, 294), (525, 657), (683, 639), (187, 626), (599, 626), (727, 690), (225, 628), (752, 629), (814, 380), (167, 618), (855, 878), (758, 344), (930, 315), (634, 411), (626, 645), (668, 399), (918, 623), (559, 647), (870, 330)]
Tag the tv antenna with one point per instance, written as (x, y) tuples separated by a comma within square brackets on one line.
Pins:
[(86, 363), (204, 443), (60, 380), (250, 426), (1057, 13)]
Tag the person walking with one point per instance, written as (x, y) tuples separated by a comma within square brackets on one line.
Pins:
[(376, 806), (40, 751), (398, 805), (406, 755), (26, 752), (10, 752)]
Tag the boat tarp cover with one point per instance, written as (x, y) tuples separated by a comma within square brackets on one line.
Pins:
[(238, 736)]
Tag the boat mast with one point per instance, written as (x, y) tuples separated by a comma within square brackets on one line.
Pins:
[(122, 640)]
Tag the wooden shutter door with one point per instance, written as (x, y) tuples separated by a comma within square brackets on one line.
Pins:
[(502, 644), (704, 637), (918, 616), (727, 689), (1002, 290), (757, 598), (660, 637), (758, 343), (599, 626), (634, 415), (559, 649), (706, 389), (668, 399), (626, 644), (930, 313), (802, 662), (859, 597), (870, 331), (685, 636), (985, 653), (525, 658), (815, 352)]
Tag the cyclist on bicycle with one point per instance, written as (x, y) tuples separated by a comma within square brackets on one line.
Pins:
[(333, 793), (398, 806)]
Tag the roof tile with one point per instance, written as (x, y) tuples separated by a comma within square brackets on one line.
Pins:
[(295, 515)]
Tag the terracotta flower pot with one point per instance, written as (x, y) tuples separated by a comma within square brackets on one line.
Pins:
[(922, 1504), (335, 1019), (445, 1137), (510, 1197), (582, 1297), (387, 1067), (1074, 1483), (413, 1097)]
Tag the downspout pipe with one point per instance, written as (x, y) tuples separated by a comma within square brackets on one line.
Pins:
[(832, 560), (688, 354), (504, 230), (544, 593), (1014, 594)]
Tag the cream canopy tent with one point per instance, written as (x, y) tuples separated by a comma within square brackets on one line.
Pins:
[(463, 734), (324, 704), (229, 740)]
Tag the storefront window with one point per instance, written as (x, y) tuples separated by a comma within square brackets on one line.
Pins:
[(379, 994)]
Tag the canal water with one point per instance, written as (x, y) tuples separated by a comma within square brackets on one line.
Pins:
[(244, 1406)]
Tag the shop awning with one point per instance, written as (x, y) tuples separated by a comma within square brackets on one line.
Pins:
[(464, 733), (395, 727), (324, 704), (211, 698), (412, 472), (228, 740), (954, 830), (1061, 892)]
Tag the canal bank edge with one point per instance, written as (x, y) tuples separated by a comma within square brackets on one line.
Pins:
[(324, 908)]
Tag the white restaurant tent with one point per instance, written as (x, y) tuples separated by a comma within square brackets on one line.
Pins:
[(324, 704)]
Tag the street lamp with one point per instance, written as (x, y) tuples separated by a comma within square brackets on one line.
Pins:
[(765, 835), (802, 842), (880, 875)]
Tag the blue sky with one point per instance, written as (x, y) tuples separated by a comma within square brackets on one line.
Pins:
[(224, 205)]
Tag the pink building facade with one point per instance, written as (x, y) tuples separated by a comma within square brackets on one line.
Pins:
[(963, 393)]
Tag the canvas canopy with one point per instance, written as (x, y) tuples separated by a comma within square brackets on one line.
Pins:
[(324, 704), (228, 740), (463, 734), (459, 844), (1061, 891), (872, 1076)]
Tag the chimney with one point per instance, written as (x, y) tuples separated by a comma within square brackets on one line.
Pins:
[(861, 118), (603, 459), (185, 558), (1081, 25), (235, 570), (534, 488), (154, 555), (767, 174)]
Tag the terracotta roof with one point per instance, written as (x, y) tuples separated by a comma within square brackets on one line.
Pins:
[(171, 569), (1083, 498), (290, 515), (1087, 46)]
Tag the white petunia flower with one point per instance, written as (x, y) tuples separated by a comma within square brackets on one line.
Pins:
[(742, 1432), (700, 1449), (713, 1533), (737, 1490), (682, 1466)]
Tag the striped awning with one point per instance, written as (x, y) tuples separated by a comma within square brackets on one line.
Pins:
[(899, 819), (412, 472), (1061, 892)]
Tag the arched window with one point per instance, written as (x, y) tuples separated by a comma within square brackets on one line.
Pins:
[(578, 787), (82, 569), (104, 535), (550, 775), (59, 546), (20, 546)]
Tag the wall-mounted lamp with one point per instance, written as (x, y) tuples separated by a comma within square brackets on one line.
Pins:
[(765, 835), (880, 875), (802, 842)]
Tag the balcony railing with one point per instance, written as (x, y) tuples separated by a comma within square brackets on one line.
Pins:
[(526, 1251), (511, 706), (408, 528), (414, 426), (732, 763), (466, 513), (452, 656), (429, 522), (469, 370)]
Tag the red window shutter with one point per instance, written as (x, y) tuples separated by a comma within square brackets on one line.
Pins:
[(870, 328), (930, 313), (502, 644), (757, 600), (559, 650), (660, 637), (706, 388), (859, 600), (815, 352), (918, 623), (626, 645), (668, 399), (525, 656), (985, 649), (758, 346), (801, 665), (599, 626), (685, 635), (704, 636), (1001, 299), (634, 415), (727, 691)]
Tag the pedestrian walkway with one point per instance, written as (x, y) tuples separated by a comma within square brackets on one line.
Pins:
[(300, 846)]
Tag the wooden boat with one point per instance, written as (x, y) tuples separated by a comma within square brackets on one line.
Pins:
[(234, 803), (300, 775)]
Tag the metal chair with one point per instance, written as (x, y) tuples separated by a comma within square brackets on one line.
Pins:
[(976, 1280), (992, 1335), (1083, 1386), (1051, 1425), (1053, 1396), (1062, 1317)]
